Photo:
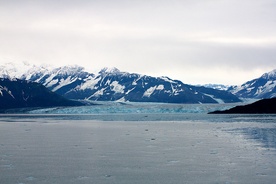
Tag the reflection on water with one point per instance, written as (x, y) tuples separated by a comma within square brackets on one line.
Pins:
[(266, 136), (193, 117)]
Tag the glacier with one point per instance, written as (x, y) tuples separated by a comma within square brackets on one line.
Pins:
[(135, 108)]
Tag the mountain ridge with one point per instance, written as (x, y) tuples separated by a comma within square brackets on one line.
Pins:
[(259, 88), (111, 84), (18, 93)]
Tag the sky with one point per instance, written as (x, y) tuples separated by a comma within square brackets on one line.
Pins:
[(195, 41)]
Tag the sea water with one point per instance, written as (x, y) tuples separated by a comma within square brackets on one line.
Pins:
[(137, 143)]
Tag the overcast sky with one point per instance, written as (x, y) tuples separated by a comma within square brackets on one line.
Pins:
[(195, 41)]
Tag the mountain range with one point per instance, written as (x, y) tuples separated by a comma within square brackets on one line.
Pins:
[(111, 84)]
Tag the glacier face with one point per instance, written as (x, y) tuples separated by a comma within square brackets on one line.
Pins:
[(111, 84), (262, 87), (128, 108)]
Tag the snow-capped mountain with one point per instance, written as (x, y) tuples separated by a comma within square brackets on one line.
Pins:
[(110, 84), (263, 87), (18, 93), (18, 69), (217, 86)]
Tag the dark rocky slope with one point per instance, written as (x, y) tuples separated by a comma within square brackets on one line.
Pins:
[(265, 106), (20, 94)]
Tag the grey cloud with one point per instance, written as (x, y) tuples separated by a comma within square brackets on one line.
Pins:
[(178, 38)]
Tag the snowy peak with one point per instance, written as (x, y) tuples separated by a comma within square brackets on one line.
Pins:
[(21, 69), (263, 87), (14, 70), (34, 70), (68, 70), (168, 79), (26, 70), (217, 86), (270, 75), (111, 70)]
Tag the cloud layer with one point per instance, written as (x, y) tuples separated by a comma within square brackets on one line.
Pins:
[(210, 41)]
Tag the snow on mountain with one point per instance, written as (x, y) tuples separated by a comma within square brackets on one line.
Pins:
[(22, 70), (110, 84), (108, 70), (18, 93), (217, 86), (4, 90), (14, 70), (263, 87), (270, 75)]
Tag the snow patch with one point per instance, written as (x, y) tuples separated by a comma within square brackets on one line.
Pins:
[(220, 101), (64, 83), (48, 80), (250, 89), (149, 91), (90, 83), (168, 79), (174, 90), (160, 87), (107, 70), (121, 100), (10, 93), (97, 93), (1, 88), (51, 83), (130, 90), (134, 83), (116, 87)]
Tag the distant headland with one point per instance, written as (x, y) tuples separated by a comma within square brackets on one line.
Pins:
[(265, 106)]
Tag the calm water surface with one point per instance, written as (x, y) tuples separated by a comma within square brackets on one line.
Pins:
[(136, 144)]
